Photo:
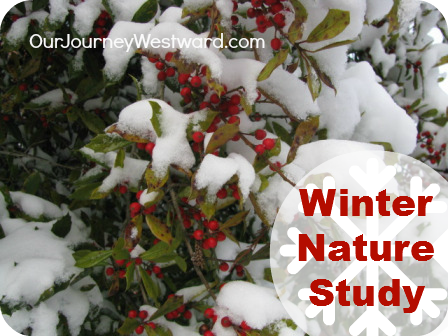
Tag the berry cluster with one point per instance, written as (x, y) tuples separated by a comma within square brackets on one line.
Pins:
[(426, 140), (223, 193), (142, 315), (102, 25), (136, 208), (226, 322), (121, 272), (181, 312), (224, 267), (267, 144), (147, 147), (416, 66), (268, 13)]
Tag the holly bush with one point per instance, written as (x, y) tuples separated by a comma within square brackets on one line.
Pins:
[(139, 184)]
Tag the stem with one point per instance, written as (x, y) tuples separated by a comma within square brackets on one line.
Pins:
[(36, 158), (187, 242)]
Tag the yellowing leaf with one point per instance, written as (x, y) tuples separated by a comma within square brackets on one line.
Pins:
[(273, 64), (334, 23), (153, 181), (304, 133), (159, 229), (155, 119), (129, 137), (295, 31), (221, 136)]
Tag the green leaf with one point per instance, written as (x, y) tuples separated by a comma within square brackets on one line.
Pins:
[(130, 274), (138, 87), (430, 114), (221, 136), (52, 291), (314, 84), (295, 31), (155, 119), (93, 258), (63, 226), (119, 160), (171, 304), (146, 12), (85, 192), (30, 68), (181, 263), (153, 182), (159, 229), (32, 183), (273, 64), (321, 74), (155, 252), (334, 23), (304, 133), (92, 121), (128, 326), (282, 133), (262, 253), (235, 220), (152, 289), (105, 143), (89, 87), (443, 61), (440, 121)]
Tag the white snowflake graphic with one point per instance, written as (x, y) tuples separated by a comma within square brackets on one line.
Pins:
[(375, 177)]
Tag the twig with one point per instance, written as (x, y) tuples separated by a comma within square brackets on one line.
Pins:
[(36, 158), (187, 242)]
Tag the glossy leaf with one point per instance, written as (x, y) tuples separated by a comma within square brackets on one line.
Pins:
[(159, 229), (171, 304), (334, 23), (93, 258), (146, 12), (273, 64), (221, 136)]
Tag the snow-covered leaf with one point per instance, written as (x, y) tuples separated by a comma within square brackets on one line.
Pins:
[(153, 182), (334, 23), (155, 119), (170, 305)]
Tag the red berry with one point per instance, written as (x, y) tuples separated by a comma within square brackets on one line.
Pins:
[(149, 148), (244, 326), (211, 242), (183, 78), (141, 145), (225, 322), (187, 223), (234, 109), (269, 143), (256, 3), (213, 225), (120, 262), (99, 31), (156, 269), (234, 120), (209, 333), (135, 207), (132, 314), (123, 189), (260, 149), (196, 81), (185, 92), (279, 19), (110, 271), (221, 236), (138, 261), (122, 274), (198, 235), (251, 13), (139, 330), (14, 17), (234, 19), (169, 56), (236, 195), (170, 72), (224, 267), (160, 65), (36, 87), (188, 315), (161, 76), (209, 313), (276, 44), (152, 325), (214, 99), (23, 87), (221, 194), (416, 70), (235, 99), (143, 314), (277, 7), (198, 137), (260, 134), (418, 63), (153, 59)]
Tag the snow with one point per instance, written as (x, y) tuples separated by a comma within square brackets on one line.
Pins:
[(85, 15), (55, 98), (146, 198), (130, 174), (117, 59), (35, 206), (125, 10), (197, 4), (149, 81), (380, 57), (19, 29), (378, 9), (243, 301), (172, 14), (58, 11), (195, 293), (215, 171)]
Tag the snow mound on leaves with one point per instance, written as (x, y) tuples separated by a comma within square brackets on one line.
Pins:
[(243, 301), (215, 171), (85, 15)]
